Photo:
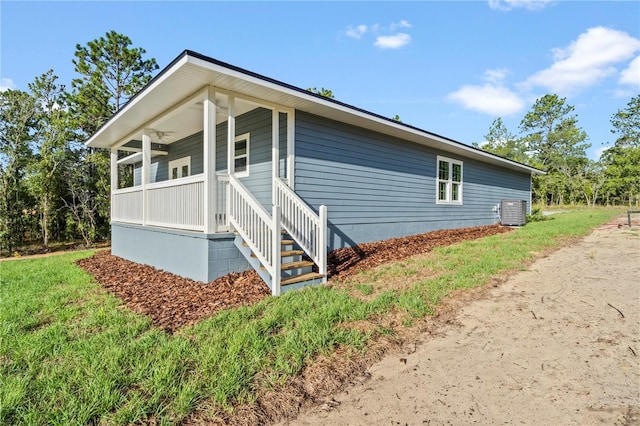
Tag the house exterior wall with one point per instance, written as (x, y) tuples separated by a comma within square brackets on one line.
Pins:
[(376, 187), (159, 171), (201, 257), (258, 123)]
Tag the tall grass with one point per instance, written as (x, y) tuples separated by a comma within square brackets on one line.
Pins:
[(72, 354)]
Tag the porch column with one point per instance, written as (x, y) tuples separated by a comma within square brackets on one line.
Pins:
[(146, 172), (275, 153), (291, 136), (231, 136), (114, 177), (209, 160)]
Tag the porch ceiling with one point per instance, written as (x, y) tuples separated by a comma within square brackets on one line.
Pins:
[(190, 72)]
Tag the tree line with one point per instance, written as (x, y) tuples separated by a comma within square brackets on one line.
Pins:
[(54, 188), (551, 140)]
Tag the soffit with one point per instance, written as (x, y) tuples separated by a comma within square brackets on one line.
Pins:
[(191, 72)]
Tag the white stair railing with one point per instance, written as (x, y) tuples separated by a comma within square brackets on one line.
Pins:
[(257, 228), (306, 227)]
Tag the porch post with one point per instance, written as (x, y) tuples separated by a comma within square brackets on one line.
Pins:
[(231, 136), (291, 135), (275, 153), (209, 151), (114, 178), (146, 172)]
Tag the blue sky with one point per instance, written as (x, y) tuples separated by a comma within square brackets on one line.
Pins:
[(447, 67)]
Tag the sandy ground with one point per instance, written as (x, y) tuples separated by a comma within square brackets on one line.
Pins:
[(557, 344)]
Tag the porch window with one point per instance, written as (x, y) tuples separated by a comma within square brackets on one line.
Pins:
[(449, 181), (180, 168), (241, 154)]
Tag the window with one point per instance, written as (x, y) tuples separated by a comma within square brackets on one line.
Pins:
[(241, 155), (449, 181), (180, 168)]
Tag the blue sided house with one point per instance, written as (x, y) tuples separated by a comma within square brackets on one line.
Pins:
[(234, 170)]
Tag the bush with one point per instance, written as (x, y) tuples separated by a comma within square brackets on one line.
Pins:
[(536, 216)]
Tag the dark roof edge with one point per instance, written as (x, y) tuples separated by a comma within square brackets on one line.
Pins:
[(345, 105), (223, 64)]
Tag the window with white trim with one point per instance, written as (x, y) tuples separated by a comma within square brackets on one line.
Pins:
[(180, 168), (449, 181), (241, 154)]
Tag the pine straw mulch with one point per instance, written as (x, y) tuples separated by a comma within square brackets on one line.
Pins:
[(174, 302)]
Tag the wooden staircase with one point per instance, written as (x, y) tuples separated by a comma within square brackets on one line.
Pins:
[(296, 271), (276, 254)]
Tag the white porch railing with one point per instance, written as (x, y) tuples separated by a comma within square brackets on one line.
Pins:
[(303, 224), (257, 228), (126, 205), (177, 203), (222, 208)]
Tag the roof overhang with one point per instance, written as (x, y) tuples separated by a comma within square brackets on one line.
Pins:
[(190, 72)]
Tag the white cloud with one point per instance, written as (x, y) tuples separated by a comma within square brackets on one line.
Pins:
[(496, 75), (631, 75), (525, 4), (7, 84), (356, 32), (386, 37), (597, 153), (489, 98), (402, 24), (395, 41), (586, 61)]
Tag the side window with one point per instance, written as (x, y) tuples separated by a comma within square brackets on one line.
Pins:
[(241, 154), (180, 168), (449, 181)]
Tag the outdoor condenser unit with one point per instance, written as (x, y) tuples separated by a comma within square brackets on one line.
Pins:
[(513, 212)]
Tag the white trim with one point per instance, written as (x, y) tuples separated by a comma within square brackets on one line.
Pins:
[(275, 151), (291, 147), (179, 163), (209, 160), (127, 190), (190, 69), (247, 136), (449, 182), (231, 132), (113, 162), (136, 100), (176, 182)]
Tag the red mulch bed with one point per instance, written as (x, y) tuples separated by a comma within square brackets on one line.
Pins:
[(348, 261), (174, 302), (170, 300)]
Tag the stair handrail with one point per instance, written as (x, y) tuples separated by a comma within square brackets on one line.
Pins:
[(257, 228), (306, 227)]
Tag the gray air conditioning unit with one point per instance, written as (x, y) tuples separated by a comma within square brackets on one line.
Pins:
[(513, 212)]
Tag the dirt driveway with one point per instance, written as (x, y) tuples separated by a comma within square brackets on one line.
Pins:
[(557, 344)]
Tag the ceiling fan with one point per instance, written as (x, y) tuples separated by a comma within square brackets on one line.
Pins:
[(162, 135)]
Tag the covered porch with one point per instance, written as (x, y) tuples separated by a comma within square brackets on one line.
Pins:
[(180, 162)]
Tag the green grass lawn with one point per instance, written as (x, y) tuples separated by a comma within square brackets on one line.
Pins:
[(70, 353)]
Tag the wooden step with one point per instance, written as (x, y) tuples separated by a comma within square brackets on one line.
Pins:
[(299, 278), (287, 253), (282, 242), (294, 265)]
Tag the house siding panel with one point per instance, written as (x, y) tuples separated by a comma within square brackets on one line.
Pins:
[(189, 146), (258, 123), (377, 187)]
